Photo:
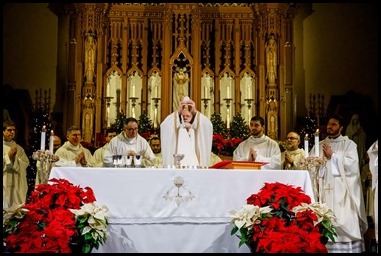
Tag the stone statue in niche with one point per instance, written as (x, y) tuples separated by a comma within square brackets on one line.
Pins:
[(90, 57), (271, 60), (272, 117)]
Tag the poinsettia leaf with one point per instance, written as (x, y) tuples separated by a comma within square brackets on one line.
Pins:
[(234, 230)]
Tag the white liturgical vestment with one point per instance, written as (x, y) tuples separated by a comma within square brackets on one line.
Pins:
[(195, 144)]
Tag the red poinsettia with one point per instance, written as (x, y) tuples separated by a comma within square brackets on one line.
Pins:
[(281, 219), (219, 142), (47, 223)]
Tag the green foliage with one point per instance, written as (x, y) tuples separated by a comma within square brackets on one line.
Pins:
[(119, 121), (219, 126), (239, 128), (145, 123)]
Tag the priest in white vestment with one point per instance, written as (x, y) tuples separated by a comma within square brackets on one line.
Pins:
[(129, 143), (293, 154), (340, 188), (72, 153), (15, 163), (373, 166), (188, 132), (259, 147)]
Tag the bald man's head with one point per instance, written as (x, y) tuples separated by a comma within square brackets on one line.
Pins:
[(56, 142)]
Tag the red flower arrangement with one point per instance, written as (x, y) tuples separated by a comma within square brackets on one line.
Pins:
[(55, 217), (222, 146), (281, 219)]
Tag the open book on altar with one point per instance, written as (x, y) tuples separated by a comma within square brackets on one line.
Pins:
[(226, 164)]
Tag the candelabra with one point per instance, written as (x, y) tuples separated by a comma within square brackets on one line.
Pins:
[(45, 159), (156, 105), (228, 100), (133, 104)]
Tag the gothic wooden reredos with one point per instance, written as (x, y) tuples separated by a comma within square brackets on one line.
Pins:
[(229, 58)]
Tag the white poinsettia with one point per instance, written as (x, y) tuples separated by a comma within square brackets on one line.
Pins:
[(322, 211), (96, 218), (248, 215)]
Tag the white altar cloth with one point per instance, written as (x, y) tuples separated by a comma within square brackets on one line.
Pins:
[(167, 210)]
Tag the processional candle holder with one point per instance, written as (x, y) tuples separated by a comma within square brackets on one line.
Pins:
[(45, 158)]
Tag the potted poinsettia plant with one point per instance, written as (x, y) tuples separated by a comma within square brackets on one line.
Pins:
[(57, 217), (280, 218)]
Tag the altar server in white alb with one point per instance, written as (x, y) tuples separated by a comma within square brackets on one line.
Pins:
[(259, 147), (188, 132), (340, 188), (15, 163)]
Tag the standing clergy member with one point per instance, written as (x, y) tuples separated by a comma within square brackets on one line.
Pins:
[(340, 188), (189, 132), (15, 163)]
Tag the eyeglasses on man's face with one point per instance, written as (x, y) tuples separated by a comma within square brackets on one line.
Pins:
[(131, 129), (75, 135), (291, 138)]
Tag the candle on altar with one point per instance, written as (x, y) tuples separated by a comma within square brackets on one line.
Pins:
[(228, 92), (306, 145), (51, 142), (43, 135), (317, 143), (206, 92)]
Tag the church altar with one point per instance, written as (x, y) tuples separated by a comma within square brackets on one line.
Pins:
[(172, 210)]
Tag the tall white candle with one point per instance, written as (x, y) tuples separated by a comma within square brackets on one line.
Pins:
[(133, 90), (317, 143), (108, 90), (228, 92), (51, 142), (206, 92), (156, 91), (248, 96), (43, 135), (306, 145)]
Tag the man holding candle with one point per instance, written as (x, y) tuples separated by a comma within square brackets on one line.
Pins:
[(293, 154), (259, 147), (15, 163), (72, 153), (340, 188)]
